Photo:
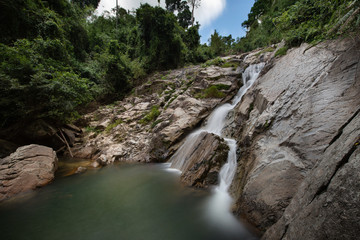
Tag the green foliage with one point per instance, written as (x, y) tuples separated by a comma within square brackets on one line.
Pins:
[(281, 52), (221, 45), (213, 91), (230, 65), (113, 125), (221, 86), (90, 129), (84, 3), (184, 15), (36, 82), (160, 36), (296, 21), (216, 44), (151, 116), (56, 56), (170, 101), (155, 123), (216, 61)]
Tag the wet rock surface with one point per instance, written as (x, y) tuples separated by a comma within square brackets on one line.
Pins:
[(203, 163), (30, 167), (286, 122)]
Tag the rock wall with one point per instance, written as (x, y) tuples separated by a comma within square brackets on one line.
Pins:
[(286, 125), (326, 205), (118, 132), (29, 167)]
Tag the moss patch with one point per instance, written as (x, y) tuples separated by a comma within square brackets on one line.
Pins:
[(89, 129), (212, 92), (151, 116), (113, 125), (216, 61), (281, 52), (233, 65)]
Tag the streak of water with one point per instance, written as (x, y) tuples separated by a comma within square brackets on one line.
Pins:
[(221, 201)]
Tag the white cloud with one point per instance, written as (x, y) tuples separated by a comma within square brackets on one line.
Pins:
[(107, 5), (208, 11)]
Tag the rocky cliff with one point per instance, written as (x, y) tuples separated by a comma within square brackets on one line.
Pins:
[(297, 129), (149, 125)]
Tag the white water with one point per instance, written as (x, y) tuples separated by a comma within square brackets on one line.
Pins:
[(221, 201)]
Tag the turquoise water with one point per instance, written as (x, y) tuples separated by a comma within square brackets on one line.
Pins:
[(116, 202)]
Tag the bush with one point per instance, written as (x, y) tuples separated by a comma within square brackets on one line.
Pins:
[(113, 125), (212, 92), (216, 61), (281, 52), (151, 116)]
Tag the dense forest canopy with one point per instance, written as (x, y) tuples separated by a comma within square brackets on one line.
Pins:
[(297, 21), (57, 55)]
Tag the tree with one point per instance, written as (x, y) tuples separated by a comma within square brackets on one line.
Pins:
[(194, 4), (192, 37), (172, 5), (184, 15), (161, 42), (83, 3), (217, 45)]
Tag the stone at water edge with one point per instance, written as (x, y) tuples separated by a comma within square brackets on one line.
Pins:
[(29, 167), (80, 170), (87, 152), (208, 154)]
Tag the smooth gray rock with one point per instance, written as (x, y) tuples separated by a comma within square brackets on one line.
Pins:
[(29, 167), (326, 206), (287, 120)]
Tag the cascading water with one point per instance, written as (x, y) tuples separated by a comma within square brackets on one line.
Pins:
[(220, 203)]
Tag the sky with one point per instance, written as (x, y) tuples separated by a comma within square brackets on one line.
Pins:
[(225, 16)]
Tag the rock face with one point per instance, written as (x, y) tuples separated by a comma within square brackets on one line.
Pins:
[(120, 132), (204, 160), (29, 167), (285, 124), (326, 205)]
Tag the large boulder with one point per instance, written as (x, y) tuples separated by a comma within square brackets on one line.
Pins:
[(205, 154), (29, 167)]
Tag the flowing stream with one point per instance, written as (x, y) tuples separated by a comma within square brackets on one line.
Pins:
[(220, 202)]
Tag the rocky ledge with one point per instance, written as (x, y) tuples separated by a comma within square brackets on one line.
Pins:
[(149, 125), (30, 167)]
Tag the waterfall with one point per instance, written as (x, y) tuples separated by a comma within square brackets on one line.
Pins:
[(221, 201), (215, 125)]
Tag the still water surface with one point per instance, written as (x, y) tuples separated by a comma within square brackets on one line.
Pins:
[(127, 202)]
